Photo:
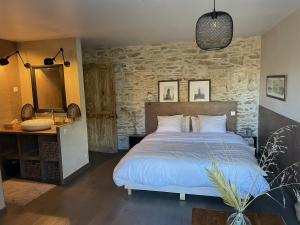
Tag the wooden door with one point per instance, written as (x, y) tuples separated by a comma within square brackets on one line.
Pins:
[(100, 107)]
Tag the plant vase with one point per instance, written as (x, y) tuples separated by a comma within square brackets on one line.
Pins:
[(297, 208), (238, 218)]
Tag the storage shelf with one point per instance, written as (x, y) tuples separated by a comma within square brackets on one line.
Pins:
[(50, 160), (6, 153), (39, 156), (11, 168), (31, 155), (28, 157), (12, 156), (51, 171), (32, 169)]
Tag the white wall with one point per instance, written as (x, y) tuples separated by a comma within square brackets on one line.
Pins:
[(281, 55), (74, 138), (74, 147)]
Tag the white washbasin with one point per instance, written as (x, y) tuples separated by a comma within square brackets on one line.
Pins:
[(37, 124)]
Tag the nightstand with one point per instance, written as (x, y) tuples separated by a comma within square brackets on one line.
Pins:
[(135, 139), (252, 140), (249, 139)]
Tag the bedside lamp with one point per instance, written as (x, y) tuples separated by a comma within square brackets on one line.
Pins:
[(248, 131), (149, 97)]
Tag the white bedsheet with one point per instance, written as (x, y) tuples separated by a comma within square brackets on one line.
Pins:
[(181, 159)]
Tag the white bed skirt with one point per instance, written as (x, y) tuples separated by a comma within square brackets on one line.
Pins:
[(204, 191)]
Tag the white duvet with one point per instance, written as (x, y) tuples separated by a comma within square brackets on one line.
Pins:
[(181, 159)]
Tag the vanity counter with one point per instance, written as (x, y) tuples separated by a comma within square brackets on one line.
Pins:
[(49, 156), (18, 130)]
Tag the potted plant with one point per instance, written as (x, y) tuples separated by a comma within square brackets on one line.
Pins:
[(277, 179), (297, 204)]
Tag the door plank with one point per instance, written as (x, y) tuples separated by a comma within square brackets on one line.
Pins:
[(100, 107)]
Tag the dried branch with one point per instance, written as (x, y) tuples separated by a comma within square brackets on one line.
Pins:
[(274, 148)]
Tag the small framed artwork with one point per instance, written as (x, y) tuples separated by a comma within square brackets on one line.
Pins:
[(276, 87), (168, 91), (199, 90)]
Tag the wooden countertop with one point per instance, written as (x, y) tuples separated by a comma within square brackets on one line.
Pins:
[(18, 130)]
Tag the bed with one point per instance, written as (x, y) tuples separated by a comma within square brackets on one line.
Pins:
[(177, 162)]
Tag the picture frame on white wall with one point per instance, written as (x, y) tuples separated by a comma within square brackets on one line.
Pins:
[(276, 87), (199, 90), (168, 91)]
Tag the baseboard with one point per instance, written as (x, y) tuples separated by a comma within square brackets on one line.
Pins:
[(78, 172)]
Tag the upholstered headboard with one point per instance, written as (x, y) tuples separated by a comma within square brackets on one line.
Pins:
[(154, 109)]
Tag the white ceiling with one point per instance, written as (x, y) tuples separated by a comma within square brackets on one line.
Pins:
[(124, 22)]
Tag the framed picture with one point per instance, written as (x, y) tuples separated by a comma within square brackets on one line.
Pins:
[(168, 91), (276, 87), (199, 90)]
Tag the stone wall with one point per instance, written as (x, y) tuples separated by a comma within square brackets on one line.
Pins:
[(234, 74)]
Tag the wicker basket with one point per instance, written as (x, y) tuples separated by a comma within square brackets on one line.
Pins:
[(49, 150), (32, 169), (52, 172)]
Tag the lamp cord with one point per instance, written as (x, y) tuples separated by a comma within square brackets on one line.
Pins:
[(214, 5), (18, 53), (63, 56), (20, 57), (60, 50)]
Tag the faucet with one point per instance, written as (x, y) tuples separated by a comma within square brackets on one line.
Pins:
[(52, 115)]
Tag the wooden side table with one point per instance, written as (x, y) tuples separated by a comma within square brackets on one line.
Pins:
[(255, 142), (211, 217), (135, 139), (251, 137)]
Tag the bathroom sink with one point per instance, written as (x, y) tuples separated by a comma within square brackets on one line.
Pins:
[(37, 124)]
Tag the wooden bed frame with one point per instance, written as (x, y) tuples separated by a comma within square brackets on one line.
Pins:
[(154, 109)]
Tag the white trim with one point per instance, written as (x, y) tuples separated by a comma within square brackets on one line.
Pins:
[(129, 191), (182, 197)]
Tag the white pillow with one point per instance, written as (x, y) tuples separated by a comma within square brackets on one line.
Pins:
[(216, 124), (195, 124), (169, 123), (185, 124)]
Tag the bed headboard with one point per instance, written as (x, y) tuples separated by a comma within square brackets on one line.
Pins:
[(154, 109)]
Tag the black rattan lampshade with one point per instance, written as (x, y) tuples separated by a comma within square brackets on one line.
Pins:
[(214, 30)]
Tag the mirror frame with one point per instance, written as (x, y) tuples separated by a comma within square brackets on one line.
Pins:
[(34, 89)]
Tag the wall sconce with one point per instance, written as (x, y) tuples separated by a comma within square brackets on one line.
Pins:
[(50, 61), (4, 61)]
